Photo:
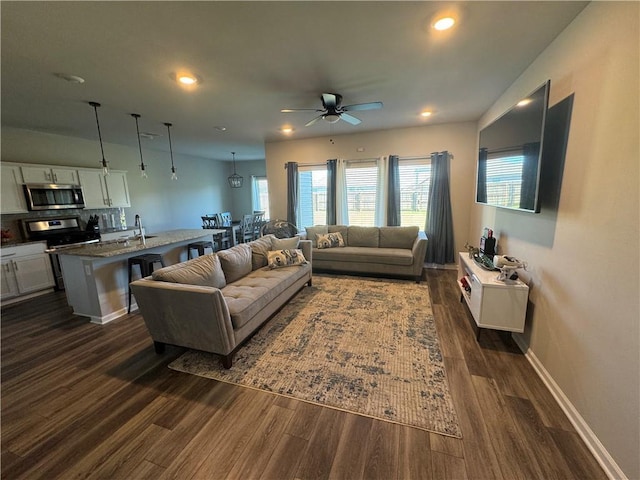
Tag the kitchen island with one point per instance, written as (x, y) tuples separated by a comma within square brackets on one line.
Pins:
[(96, 275)]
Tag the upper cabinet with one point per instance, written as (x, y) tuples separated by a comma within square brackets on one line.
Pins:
[(12, 194), (45, 174), (104, 191)]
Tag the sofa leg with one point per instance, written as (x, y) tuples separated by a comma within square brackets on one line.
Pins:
[(418, 279), (159, 347), (227, 360), (310, 283)]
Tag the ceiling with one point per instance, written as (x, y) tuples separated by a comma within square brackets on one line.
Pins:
[(255, 58)]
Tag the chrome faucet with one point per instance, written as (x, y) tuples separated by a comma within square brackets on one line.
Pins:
[(138, 224)]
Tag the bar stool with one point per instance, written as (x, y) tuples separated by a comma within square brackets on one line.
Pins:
[(146, 263), (200, 246)]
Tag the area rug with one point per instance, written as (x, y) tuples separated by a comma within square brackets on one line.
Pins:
[(362, 345)]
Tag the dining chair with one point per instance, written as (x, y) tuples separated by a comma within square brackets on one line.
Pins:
[(225, 218), (245, 233), (258, 220), (223, 240)]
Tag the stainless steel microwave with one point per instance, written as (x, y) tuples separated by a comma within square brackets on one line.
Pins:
[(51, 196)]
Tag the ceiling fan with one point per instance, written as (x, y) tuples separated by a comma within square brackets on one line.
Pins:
[(334, 111)]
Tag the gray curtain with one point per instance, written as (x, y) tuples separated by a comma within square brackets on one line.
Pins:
[(332, 177), (292, 193), (439, 227), (393, 197)]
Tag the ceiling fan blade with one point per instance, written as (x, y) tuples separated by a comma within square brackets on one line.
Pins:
[(362, 106), (349, 119), (308, 124), (330, 100), (292, 110)]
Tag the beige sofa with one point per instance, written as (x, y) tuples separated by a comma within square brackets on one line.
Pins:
[(215, 302), (387, 251)]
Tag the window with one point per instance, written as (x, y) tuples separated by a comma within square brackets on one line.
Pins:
[(312, 209), (415, 179), (362, 192), (260, 195)]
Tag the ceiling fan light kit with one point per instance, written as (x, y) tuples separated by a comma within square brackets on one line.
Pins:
[(333, 110)]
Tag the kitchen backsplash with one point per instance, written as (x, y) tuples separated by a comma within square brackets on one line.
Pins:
[(108, 218)]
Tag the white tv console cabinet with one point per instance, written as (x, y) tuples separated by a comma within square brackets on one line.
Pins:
[(493, 304)]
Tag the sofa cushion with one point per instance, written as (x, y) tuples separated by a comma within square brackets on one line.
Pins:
[(347, 255), (259, 250), (330, 240), (204, 270), (313, 231), (363, 236), (285, 243), (398, 237), (246, 297), (286, 258), (342, 230), (236, 262)]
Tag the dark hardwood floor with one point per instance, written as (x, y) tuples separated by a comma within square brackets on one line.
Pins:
[(88, 401)]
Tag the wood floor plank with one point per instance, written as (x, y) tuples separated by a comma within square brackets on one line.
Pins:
[(90, 401), (414, 455)]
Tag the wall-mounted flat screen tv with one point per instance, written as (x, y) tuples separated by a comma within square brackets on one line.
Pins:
[(510, 153)]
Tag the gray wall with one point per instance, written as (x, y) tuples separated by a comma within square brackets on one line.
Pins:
[(164, 204), (582, 328)]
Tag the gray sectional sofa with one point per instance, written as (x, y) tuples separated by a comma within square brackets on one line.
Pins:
[(215, 302), (387, 251)]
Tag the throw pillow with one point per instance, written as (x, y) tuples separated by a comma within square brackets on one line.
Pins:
[(313, 231), (285, 243), (330, 240), (236, 262), (286, 258), (204, 270), (259, 250)]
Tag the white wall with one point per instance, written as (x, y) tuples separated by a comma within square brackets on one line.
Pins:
[(163, 204), (459, 139), (583, 321)]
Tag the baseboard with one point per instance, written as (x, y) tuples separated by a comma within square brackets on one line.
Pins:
[(598, 450)]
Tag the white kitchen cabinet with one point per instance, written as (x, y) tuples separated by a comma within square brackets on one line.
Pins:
[(25, 269), (46, 174), (12, 193), (102, 191), (493, 303)]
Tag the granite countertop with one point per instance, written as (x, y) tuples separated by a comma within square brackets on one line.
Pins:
[(120, 247)]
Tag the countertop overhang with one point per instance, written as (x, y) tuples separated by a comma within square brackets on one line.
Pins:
[(120, 247)]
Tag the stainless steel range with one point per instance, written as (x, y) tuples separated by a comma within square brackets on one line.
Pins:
[(59, 233)]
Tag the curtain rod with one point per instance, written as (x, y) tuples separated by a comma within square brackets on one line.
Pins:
[(423, 157), (307, 164)]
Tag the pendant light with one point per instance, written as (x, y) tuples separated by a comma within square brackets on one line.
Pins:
[(105, 167), (143, 171), (235, 180), (173, 169)]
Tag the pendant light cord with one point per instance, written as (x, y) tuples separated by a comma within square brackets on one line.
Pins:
[(95, 108), (170, 147), (136, 116)]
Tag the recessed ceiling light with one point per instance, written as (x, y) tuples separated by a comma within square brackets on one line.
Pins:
[(70, 78), (186, 79), (286, 130), (220, 128), (426, 113), (523, 102), (444, 23)]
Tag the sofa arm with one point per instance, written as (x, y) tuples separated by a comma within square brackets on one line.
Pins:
[(419, 252), (305, 246), (186, 315)]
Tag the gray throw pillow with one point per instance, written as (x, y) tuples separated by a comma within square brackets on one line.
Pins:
[(204, 270), (259, 250), (313, 231), (285, 243), (236, 262)]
